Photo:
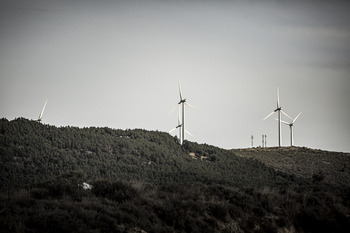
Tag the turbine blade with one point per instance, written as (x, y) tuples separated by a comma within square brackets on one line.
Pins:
[(189, 133), (189, 105), (269, 115), (286, 115), (173, 109), (284, 122), (172, 130), (296, 117), (42, 111), (180, 89)]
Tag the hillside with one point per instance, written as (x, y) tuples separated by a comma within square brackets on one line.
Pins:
[(144, 181), (328, 167), (32, 152)]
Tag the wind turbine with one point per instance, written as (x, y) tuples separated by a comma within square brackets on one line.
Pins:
[(279, 111), (179, 125), (42, 112), (183, 102), (291, 124)]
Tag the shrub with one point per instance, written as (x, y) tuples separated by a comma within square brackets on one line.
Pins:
[(117, 191)]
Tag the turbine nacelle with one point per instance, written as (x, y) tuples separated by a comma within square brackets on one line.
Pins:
[(179, 126), (284, 122), (278, 109)]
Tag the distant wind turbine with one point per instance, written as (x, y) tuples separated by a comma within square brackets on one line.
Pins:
[(179, 126), (291, 124), (42, 112), (279, 111), (183, 102)]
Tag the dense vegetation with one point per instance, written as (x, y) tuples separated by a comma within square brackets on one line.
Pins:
[(139, 207), (146, 182), (32, 152), (330, 167)]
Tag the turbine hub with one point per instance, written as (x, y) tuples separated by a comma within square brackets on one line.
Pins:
[(182, 101)]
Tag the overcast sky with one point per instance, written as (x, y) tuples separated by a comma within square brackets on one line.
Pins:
[(117, 63)]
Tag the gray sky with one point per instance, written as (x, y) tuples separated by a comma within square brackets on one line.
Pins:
[(117, 63)]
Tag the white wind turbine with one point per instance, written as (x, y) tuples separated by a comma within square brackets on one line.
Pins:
[(279, 111), (183, 102), (291, 124), (42, 112), (179, 126)]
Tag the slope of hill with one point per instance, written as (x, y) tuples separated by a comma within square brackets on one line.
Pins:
[(329, 167), (32, 152), (144, 181)]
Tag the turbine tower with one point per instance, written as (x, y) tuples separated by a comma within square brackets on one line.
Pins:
[(291, 124), (183, 102), (279, 111), (42, 112)]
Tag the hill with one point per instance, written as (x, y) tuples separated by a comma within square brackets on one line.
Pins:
[(144, 181), (317, 165), (32, 152)]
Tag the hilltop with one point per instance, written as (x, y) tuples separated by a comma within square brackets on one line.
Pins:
[(144, 181)]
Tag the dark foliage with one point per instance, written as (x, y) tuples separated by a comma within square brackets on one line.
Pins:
[(31, 152), (145, 182), (139, 207)]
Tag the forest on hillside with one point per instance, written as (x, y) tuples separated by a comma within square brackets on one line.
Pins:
[(32, 152), (119, 206), (144, 181)]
